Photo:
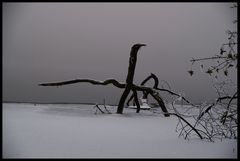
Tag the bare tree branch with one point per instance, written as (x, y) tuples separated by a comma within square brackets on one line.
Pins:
[(226, 97), (225, 116), (136, 100), (106, 82), (194, 129)]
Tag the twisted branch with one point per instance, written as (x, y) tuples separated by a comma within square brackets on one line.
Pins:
[(94, 82)]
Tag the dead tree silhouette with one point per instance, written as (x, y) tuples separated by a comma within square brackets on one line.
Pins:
[(129, 80), (128, 86)]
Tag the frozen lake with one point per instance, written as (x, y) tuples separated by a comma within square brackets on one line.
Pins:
[(77, 131)]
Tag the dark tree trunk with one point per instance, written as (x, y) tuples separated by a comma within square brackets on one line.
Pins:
[(122, 99), (130, 76)]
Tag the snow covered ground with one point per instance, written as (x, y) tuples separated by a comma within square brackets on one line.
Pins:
[(76, 131)]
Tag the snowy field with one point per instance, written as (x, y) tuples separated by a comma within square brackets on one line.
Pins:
[(77, 131)]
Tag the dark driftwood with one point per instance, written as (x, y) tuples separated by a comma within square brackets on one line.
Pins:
[(145, 94), (128, 87), (136, 100), (160, 102), (156, 81), (130, 76), (130, 99), (106, 82)]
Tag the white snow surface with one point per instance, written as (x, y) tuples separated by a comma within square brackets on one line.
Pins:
[(76, 131)]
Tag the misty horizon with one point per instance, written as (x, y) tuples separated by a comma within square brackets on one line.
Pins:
[(51, 42)]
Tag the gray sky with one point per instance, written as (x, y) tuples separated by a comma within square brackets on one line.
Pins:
[(48, 42)]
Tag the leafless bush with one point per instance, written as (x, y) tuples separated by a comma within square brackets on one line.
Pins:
[(217, 119)]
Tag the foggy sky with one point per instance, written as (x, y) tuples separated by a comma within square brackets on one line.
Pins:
[(48, 42)]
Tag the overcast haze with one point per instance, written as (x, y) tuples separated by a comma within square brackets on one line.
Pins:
[(48, 42)]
